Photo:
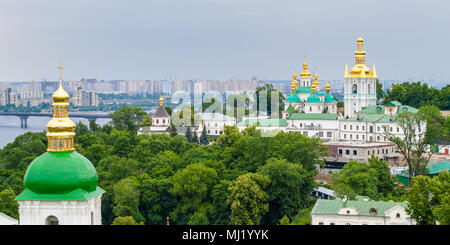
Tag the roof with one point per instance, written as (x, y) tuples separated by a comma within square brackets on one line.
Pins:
[(303, 90), (293, 98), (313, 116), (394, 103), (332, 207), (325, 191), (60, 176), (434, 169), (161, 113), (269, 122), (313, 98), (329, 98), (8, 218)]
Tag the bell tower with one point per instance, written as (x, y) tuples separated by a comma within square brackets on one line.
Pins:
[(359, 83)]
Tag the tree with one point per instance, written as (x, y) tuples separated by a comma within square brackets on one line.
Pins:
[(156, 201), (289, 189), (284, 221), (204, 137), (435, 123), (126, 199), (146, 121), (248, 199), (380, 93), (127, 220), (412, 146), (93, 126), (128, 118), (356, 176), (173, 130), (194, 136), (188, 135), (169, 110), (8, 205), (428, 199), (192, 187)]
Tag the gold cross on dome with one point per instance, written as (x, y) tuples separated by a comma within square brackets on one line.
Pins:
[(60, 68)]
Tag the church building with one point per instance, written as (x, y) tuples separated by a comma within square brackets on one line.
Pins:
[(61, 184)]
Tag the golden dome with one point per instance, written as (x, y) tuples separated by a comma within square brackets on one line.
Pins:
[(360, 69), (305, 73), (316, 82), (60, 129), (327, 88)]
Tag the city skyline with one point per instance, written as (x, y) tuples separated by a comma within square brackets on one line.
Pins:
[(219, 39)]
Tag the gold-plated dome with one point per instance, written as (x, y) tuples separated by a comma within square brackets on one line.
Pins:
[(305, 73), (316, 82), (360, 69), (327, 88), (60, 129)]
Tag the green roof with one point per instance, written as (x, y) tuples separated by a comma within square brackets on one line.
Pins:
[(375, 109), (313, 116), (269, 122), (303, 90), (329, 98), (433, 170), (406, 108), (313, 98), (293, 98), (332, 207), (60, 176), (394, 103)]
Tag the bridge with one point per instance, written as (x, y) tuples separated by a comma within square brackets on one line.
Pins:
[(23, 116)]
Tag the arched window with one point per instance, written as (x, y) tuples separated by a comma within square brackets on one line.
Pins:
[(51, 220), (92, 218), (373, 211), (398, 216), (355, 89)]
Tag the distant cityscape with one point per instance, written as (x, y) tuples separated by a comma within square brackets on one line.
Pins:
[(85, 92)]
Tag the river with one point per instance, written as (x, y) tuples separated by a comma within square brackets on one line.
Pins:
[(10, 126)]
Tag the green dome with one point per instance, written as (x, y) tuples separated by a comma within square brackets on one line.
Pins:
[(293, 98), (303, 90), (60, 176), (329, 98), (313, 98)]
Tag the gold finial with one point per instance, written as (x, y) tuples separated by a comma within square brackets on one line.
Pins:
[(167, 220), (60, 68), (60, 129), (328, 88), (161, 101)]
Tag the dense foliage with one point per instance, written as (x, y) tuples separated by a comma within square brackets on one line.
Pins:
[(150, 178)]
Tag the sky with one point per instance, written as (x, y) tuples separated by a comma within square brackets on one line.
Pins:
[(219, 39)]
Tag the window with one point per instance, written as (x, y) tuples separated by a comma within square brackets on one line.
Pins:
[(368, 89), (157, 120), (355, 88), (92, 218), (355, 152), (329, 134), (371, 129), (320, 223), (351, 127), (340, 151), (398, 216), (164, 120), (373, 211), (363, 128), (348, 211), (51, 220), (345, 126), (332, 224), (351, 136), (347, 152), (357, 127), (368, 152), (363, 137), (345, 136), (397, 130), (320, 134), (357, 136), (305, 133)]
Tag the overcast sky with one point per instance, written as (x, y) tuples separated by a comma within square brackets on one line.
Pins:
[(156, 39)]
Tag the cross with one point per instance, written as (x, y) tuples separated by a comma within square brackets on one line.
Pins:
[(304, 57), (60, 68)]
